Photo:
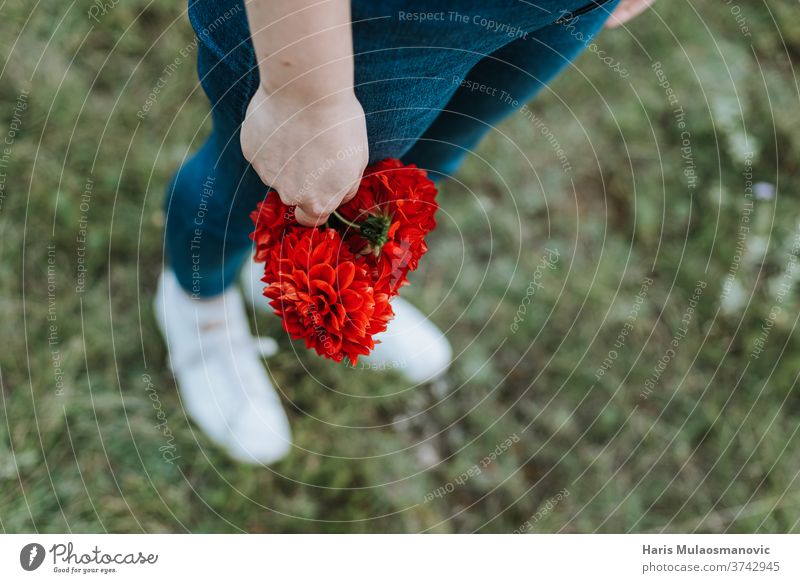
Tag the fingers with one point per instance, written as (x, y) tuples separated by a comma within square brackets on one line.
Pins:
[(309, 220), (314, 212), (626, 10), (350, 193)]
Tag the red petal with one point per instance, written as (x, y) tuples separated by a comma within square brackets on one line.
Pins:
[(345, 273)]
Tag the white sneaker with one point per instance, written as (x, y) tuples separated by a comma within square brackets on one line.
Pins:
[(411, 345), (222, 381)]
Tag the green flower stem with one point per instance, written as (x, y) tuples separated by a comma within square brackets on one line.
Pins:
[(355, 226)]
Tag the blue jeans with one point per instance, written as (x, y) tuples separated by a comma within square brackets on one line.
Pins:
[(431, 87)]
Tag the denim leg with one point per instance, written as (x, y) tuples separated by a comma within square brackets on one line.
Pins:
[(410, 58), (511, 77), (211, 195), (207, 208)]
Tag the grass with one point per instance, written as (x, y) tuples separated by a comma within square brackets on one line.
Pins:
[(706, 441)]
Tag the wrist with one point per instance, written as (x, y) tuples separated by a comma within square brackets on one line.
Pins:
[(301, 95), (333, 79)]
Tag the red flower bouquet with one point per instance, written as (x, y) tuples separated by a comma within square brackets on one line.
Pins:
[(331, 285)]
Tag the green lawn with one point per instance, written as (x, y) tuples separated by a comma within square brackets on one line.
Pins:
[(649, 382)]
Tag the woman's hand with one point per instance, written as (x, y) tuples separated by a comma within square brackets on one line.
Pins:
[(626, 10), (304, 131), (313, 151)]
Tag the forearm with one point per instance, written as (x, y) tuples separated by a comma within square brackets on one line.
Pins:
[(303, 46)]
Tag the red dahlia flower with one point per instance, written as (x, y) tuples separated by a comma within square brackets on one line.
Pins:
[(389, 218), (272, 219), (331, 285), (324, 294)]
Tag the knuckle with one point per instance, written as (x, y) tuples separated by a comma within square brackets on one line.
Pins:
[(302, 218), (317, 208), (307, 219), (266, 177), (345, 181), (247, 151), (287, 200)]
